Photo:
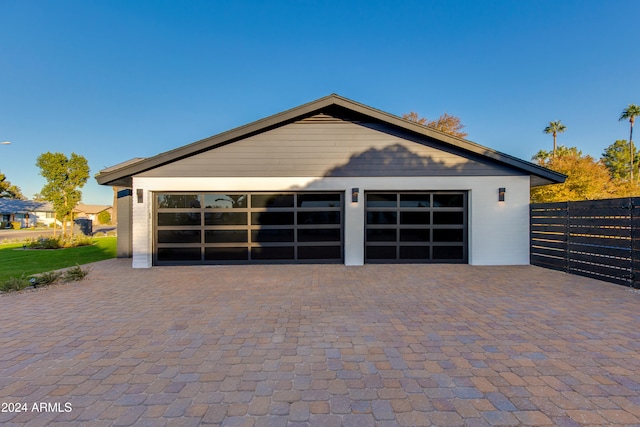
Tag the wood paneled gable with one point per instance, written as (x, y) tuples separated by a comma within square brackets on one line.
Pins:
[(323, 146), (331, 136)]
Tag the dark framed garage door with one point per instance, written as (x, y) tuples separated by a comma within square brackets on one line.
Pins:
[(218, 228), (416, 227)]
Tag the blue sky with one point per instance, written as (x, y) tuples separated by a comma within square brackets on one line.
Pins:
[(112, 80)]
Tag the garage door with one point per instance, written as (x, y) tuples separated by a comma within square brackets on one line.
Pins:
[(416, 227), (216, 228)]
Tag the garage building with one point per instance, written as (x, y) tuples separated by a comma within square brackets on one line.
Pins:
[(331, 181)]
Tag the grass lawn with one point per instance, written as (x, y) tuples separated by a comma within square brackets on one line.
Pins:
[(14, 261)]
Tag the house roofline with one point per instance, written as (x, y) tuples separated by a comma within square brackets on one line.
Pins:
[(121, 174)]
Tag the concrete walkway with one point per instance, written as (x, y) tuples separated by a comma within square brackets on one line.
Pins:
[(321, 345)]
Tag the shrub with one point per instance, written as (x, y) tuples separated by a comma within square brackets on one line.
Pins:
[(78, 240), (104, 217), (14, 284), (74, 274), (45, 243), (59, 242), (16, 225), (47, 278)]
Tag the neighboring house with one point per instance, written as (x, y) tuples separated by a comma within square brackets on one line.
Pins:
[(328, 181), (27, 212), (91, 211)]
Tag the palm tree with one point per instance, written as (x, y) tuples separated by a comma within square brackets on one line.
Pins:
[(555, 128), (630, 113)]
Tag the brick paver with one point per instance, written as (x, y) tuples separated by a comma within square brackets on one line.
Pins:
[(321, 345)]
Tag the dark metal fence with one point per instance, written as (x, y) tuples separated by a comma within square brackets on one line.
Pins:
[(594, 238)]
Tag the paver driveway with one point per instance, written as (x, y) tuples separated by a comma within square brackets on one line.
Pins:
[(322, 345)]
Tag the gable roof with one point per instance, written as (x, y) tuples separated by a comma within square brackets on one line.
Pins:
[(12, 206), (90, 209), (120, 175)]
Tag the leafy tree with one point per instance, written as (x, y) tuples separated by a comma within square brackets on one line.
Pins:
[(587, 178), (544, 157), (625, 188), (104, 217), (445, 123), (554, 128), (414, 117), (616, 158), (8, 190), (64, 178), (630, 114)]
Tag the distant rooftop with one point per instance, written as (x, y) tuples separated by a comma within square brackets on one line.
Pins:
[(23, 206), (91, 209)]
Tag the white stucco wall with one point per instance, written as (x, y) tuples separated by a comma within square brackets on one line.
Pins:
[(498, 231)]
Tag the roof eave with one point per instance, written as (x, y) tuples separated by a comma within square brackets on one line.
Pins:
[(108, 177), (546, 174)]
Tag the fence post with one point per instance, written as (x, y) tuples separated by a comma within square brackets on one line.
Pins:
[(567, 236), (635, 279)]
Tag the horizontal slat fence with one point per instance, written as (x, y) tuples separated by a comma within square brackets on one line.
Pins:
[(594, 238)]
